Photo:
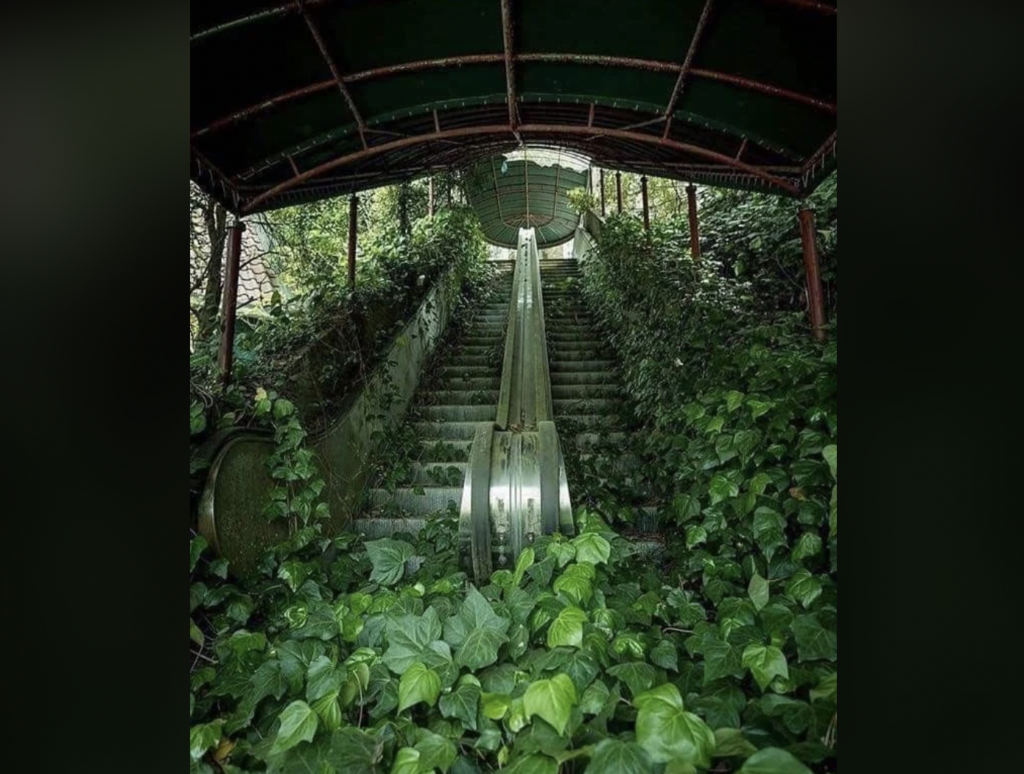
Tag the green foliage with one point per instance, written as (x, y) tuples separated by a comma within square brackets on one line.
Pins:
[(580, 200)]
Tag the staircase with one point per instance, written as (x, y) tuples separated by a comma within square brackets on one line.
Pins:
[(462, 394), (585, 387)]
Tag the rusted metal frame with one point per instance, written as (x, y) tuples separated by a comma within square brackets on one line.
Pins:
[(269, 13), (218, 179), (593, 111), (229, 309), (437, 123), (353, 239), (541, 129), (510, 65), (678, 91), (647, 204), (295, 167), (829, 147), (322, 45), (742, 150), (809, 5), (253, 110), (618, 189), (765, 88), (691, 199), (812, 265), (604, 198)]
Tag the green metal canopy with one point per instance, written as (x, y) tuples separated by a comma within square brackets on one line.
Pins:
[(300, 100), (527, 189)]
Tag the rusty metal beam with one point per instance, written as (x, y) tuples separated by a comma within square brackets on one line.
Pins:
[(691, 198), (829, 146), (647, 203), (353, 239), (437, 123), (604, 198), (812, 265), (593, 111), (510, 65), (618, 188), (687, 64), (765, 88), (269, 13), (525, 129), (742, 150), (229, 310), (322, 45)]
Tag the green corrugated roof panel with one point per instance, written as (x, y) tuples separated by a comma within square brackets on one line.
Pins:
[(270, 125), (520, 192)]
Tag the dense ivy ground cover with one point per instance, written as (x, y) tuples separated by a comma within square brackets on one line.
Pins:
[(346, 662), (382, 658)]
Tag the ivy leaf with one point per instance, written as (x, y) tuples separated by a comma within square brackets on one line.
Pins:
[(567, 630), (576, 584), (594, 699), (388, 558), (615, 757), (765, 663), (495, 705), (592, 548), (418, 684), (407, 762), (686, 507), (323, 678), (696, 536), (804, 588), (831, 455), (669, 733), (810, 545), (721, 660), (666, 656), (298, 724), (435, 751), (730, 743), (774, 761), (563, 553), (797, 716), (462, 705), (759, 591), (552, 700), (478, 632), (733, 400), (328, 710), (525, 562), (828, 690), (722, 489), (195, 550), (413, 638), (202, 739), (195, 634), (637, 675), (814, 642), (355, 752)]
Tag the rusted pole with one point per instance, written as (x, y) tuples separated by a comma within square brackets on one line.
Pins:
[(430, 204), (604, 198), (647, 203), (691, 196), (618, 186), (353, 237), (229, 312), (815, 295)]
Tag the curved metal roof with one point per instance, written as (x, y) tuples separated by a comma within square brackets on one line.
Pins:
[(298, 100), (527, 190)]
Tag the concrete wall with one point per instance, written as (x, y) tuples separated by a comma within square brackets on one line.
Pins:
[(231, 509)]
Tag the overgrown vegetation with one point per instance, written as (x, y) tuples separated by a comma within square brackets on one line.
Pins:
[(383, 658)]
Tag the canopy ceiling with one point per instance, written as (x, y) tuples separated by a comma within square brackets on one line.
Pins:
[(303, 100), (527, 190)]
